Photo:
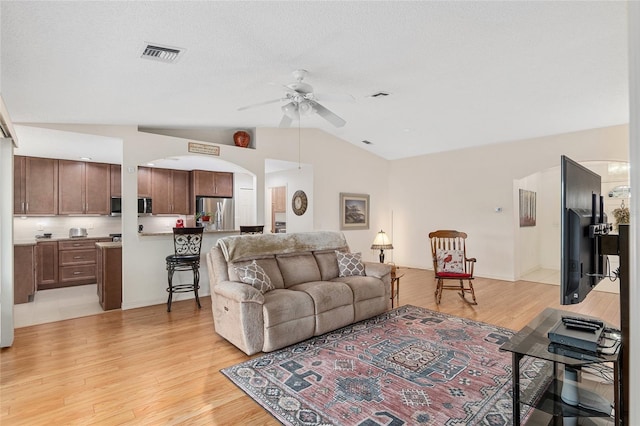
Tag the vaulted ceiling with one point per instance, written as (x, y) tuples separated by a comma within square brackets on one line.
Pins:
[(457, 74)]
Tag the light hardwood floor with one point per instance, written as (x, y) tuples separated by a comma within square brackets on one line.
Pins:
[(147, 366)]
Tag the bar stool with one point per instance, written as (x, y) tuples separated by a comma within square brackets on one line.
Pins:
[(187, 243)]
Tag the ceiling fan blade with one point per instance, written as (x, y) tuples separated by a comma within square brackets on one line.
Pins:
[(334, 97), (328, 115), (259, 104), (286, 121)]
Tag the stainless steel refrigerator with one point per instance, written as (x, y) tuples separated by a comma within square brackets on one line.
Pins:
[(220, 210)]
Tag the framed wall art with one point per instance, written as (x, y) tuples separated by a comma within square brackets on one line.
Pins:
[(527, 208), (354, 211)]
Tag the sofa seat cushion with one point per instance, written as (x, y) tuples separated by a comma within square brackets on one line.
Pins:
[(333, 304), (283, 305), (288, 318), (298, 268), (326, 295), (363, 287)]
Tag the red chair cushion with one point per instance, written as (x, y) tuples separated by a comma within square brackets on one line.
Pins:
[(452, 275)]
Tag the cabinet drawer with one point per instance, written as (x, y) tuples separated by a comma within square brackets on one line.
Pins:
[(77, 244), (77, 257), (78, 273)]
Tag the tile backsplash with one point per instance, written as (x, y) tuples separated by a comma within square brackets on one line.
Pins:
[(97, 226)]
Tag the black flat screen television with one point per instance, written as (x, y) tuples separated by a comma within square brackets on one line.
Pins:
[(582, 266)]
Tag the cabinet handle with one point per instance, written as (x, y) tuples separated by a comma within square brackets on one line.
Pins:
[(77, 257), (76, 244), (22, 208), (27, 209), (77, 273)]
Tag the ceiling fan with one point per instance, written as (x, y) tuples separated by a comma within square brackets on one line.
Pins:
[(301, 100)]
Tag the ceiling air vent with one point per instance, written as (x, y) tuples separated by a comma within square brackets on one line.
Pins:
[(379, 95), (161, 53), (366, 142)]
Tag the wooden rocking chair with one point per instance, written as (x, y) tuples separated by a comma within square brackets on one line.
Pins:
[(450, 262)]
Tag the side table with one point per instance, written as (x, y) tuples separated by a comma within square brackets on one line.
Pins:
[(395, 284), (532, 341)]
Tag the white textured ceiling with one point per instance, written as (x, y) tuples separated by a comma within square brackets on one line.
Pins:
[(459, 73)]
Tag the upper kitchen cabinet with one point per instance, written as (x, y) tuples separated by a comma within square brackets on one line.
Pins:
[(144, 182), (84, 188), (35, 186), (212, 184), (116, 180), (170, 191)]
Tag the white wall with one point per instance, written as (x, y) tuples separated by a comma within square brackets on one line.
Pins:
[(462, 189)]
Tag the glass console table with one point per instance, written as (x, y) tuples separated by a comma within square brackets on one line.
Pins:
[(548, 407)]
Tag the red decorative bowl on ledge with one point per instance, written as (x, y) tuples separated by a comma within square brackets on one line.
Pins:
[(241, 138)]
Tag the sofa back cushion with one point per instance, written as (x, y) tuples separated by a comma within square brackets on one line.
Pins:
[(328, 263), (268, 263), (298, 268)]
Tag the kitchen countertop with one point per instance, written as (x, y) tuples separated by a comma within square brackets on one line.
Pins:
[(34, 240), (151, 234), (109, 244)]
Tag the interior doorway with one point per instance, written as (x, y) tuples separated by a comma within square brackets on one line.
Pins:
[(278, 209)]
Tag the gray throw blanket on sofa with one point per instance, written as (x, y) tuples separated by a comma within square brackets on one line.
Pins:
[(239, 247)]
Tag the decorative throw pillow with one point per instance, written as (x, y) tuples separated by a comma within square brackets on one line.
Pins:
[(450, 261), (254, 275), (349, 264)]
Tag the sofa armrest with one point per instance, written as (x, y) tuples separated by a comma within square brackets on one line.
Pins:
[(378, 270), (238, 292)]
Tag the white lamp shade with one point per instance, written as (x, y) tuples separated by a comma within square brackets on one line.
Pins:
[(382, 241)]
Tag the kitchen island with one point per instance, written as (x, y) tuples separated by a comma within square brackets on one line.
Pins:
[(109, 274)]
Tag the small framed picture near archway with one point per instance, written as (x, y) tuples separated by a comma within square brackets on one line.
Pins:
[(354, 211), (527, 208)]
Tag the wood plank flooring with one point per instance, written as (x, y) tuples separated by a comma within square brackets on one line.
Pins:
[(146, 366)]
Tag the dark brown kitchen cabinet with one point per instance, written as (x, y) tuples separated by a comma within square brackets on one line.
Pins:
[(116, 180), (46, 264), (24, 269), (35, 186), (170, 191), (212, 184), (84, 188), (144, 182), (109, 275), (77, 261)]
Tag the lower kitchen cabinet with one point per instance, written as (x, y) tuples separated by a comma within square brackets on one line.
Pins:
[(109, 275), (66, 263), (24, 279), (46, 265), (77, 262)]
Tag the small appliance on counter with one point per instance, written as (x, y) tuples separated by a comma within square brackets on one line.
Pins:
[(116, 237), (77, 232), (45, 235)]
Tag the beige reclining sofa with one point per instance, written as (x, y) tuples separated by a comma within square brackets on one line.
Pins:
[(304, 294)]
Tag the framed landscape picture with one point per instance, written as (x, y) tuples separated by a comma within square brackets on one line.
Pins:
[(354, 211)]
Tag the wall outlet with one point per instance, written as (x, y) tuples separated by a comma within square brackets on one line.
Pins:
[(90, 226), (40, 226)]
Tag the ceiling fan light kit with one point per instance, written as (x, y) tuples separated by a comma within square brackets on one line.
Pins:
[(301, 100)]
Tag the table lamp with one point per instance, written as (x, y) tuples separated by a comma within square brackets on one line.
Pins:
[(381, 243)]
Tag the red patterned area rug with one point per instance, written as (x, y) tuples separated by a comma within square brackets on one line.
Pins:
[(408, 366)]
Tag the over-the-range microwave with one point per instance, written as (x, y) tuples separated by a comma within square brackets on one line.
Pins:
[(144, 206)]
